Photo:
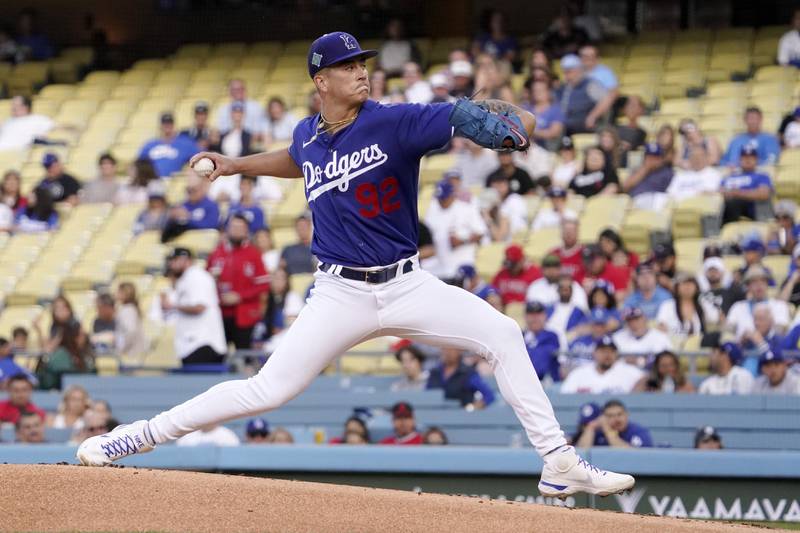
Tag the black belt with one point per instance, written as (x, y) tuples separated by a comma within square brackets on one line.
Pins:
[(370, 276)]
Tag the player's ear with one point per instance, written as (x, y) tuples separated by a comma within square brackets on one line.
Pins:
[(321, 81)]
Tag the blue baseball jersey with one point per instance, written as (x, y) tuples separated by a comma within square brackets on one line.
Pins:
[(362, 182), (746, 182), (543, 351), (635, 435)]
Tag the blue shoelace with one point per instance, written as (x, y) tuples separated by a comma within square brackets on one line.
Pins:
[(590, 466), (120, 446)]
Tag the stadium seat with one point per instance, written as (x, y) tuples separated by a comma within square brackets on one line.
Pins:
[(489, 259), (688, 215), (541, 242), (734, 232)]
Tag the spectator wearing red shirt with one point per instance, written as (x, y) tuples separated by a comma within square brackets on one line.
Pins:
[(597, 266), (241, 280), (405, 426), (571, 251), (20, 389), (516, 275)]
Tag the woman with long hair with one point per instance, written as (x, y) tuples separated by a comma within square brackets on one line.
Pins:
[(39, 215), (597, 177), (129, 331), (609, 142), (74, 403), (601, 296), (614, 249), (62, 319), (354, 424), (686, 314), (11, 192), (135, 192), (665, 375), (666, 140), (72, 356), (691, 137)]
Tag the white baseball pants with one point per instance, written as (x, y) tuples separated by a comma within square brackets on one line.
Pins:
[(341, 314)]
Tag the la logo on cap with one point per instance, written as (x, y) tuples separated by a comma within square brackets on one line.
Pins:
[(349, 43)]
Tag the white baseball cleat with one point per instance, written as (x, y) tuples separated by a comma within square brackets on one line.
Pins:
[(122, 441), (566, 473)]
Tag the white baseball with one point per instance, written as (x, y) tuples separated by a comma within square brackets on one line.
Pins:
[(204, 167)]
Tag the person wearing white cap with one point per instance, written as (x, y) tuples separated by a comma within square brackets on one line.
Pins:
[(461, 75), (441, 88), (717, 286), (580, 97), (418, 91)]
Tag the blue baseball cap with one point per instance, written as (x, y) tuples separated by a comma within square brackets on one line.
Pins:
[(334, 48), (770, 356), (653, 149), (535, 307), (466, 271), (257, 426), (599, 315), (606, 342), (733, 351), (48, 159), (753, 244), (444, 190), (588, 412), (749, 149), (570, 61)]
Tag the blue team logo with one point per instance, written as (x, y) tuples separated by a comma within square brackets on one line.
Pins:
[(349, 42), (341, 170)]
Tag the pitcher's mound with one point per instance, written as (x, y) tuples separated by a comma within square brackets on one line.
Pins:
[(71, 498)]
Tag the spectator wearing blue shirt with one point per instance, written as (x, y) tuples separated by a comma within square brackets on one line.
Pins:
[(459, 381), (468, 278), (494, 40), (753, 252), (549, 116), (649, 295), (590, 58), (581, 349), (613, 428), (247, 206), (653, 176), (198, 211), (170, 152), (745, 187), (8, 367), (542, 344), (767, 146)]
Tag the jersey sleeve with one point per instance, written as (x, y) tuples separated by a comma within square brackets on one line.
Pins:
[(297, 143), (425, 127)]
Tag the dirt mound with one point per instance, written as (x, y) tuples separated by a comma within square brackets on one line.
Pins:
[(71, 498)]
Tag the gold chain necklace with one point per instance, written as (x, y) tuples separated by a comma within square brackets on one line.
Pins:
[(328, 125)]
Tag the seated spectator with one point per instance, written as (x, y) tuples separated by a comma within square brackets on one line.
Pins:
[(596, 177), (753, 252), (567, 167), (516, 275), (129, 334), (282, 304), (727, 377), (609, 142), (696, 178), (519, 181), (586, 413), (237, 141), (637, 341), (461, 76), (545, 288), (665, 264), (581, 98), (775, 378), (631, 135), (598, 268), (104, 187), (607, 375), (404, 426), (469, 279), (740, 316), (786, 235), (764, 146), (213, 435), (665, 138), (497, 221), (23, 127), (19, 340), (459, 381), (257, 431), (548, 217), (571, 251), (75, 402), (8, 367), (198, 211), (435, 437), (564, 315), (457, 228), (247, 206), (693, 138), (412, 361), (789, 45), (542, 344), (74, 355), (11, 192), (707, 438), (790, 288), (155, 216), (30, 38), (354, 425), (512, 204), (613, 248), (718, 285), (494, 39), (104, 326), (280, 123), (602, 296), (763, 337), (397, 49), (143, 174), (493, 77), (281, 436), (170, 151), (61, 186), (20, 391), (62, 319), (744, 188), (565, 38), (271, 256), (297, 258), (549, 117), (648, 295), (29, 428), (200, 132), (590, 59), (581, 349), (791, 135), (253, 112), (474, 163), (40, 215), (686, 314), (648, 184), (665, 375), (440, 86), (417, 90), (613, 428)]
